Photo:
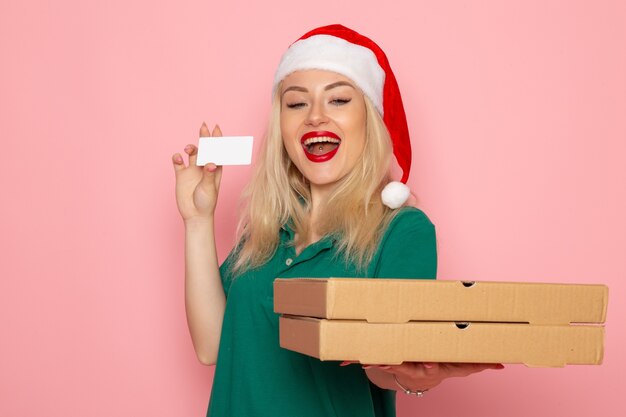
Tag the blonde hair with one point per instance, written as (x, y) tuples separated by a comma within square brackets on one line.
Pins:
[(278, 194)]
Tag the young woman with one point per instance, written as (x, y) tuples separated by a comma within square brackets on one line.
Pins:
[(320, 204)]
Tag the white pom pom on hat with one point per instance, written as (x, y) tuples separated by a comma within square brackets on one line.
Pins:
[(395, 194), (342, 50)]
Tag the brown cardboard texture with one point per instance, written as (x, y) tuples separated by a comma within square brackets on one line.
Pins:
[(369, 343), (403, 300)]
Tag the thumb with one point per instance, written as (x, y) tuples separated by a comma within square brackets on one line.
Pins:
[(208, 176)]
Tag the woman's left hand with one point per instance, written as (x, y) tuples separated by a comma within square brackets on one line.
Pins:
[(426, 375)]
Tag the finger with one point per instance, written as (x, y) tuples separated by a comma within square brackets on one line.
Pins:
[(464, 369), (430, 368), (204, 131), (418, 370), (207, 183), (178, 162), (218, 172), (192, 151), (405, 368), (385, 368), (210, 168)]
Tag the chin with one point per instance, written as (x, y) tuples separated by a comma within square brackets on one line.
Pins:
[(321, 180)]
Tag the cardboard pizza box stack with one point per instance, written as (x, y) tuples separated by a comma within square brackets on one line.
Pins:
[(389, 321)]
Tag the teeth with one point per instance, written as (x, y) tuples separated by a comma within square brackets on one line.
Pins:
[(321, 139)]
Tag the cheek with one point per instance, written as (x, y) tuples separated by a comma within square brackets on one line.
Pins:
[(284, 128), (355, 127), (290, 145), (291, 149), (289, 131), (288, 128), (357, 133)]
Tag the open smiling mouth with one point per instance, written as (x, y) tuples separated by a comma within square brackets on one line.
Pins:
[(320, 146)]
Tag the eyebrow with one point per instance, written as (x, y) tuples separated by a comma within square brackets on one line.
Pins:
[(328, 87)]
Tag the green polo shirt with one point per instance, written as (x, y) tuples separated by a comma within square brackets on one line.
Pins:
[(255, 377)]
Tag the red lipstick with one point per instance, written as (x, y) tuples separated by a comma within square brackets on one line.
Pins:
[(333, 143)]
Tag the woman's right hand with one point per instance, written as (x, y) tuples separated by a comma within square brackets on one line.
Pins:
[(197, 187)]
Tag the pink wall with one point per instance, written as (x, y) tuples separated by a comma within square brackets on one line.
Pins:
[(517, 113)]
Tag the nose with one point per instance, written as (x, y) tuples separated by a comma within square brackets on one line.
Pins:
[(316, 115)]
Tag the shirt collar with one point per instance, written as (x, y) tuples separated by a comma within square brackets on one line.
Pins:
[(288, 234)]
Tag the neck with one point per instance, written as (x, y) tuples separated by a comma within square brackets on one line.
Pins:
[(319, 195)]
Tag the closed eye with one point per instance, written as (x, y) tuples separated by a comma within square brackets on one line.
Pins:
[(340, 101), (295, 105)]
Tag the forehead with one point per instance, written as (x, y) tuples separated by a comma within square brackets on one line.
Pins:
[(313, 78)]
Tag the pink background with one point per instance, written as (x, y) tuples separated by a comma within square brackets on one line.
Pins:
[(517, 114)]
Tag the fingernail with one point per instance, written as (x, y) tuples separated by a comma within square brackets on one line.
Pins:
[(499, 366), (211, 167), (428, 366), (366, 366), (204, 130), (178, 159), (344, 363), (187, 147)]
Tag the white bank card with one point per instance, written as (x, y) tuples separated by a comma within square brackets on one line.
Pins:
[(225, 150)]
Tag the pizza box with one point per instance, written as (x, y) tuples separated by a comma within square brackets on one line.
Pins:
[(404, 300), (394, 343)]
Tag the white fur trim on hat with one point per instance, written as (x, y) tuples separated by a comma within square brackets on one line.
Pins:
[(326, 52), (395, 194)]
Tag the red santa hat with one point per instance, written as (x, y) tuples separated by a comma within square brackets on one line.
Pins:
[(339, 49)]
